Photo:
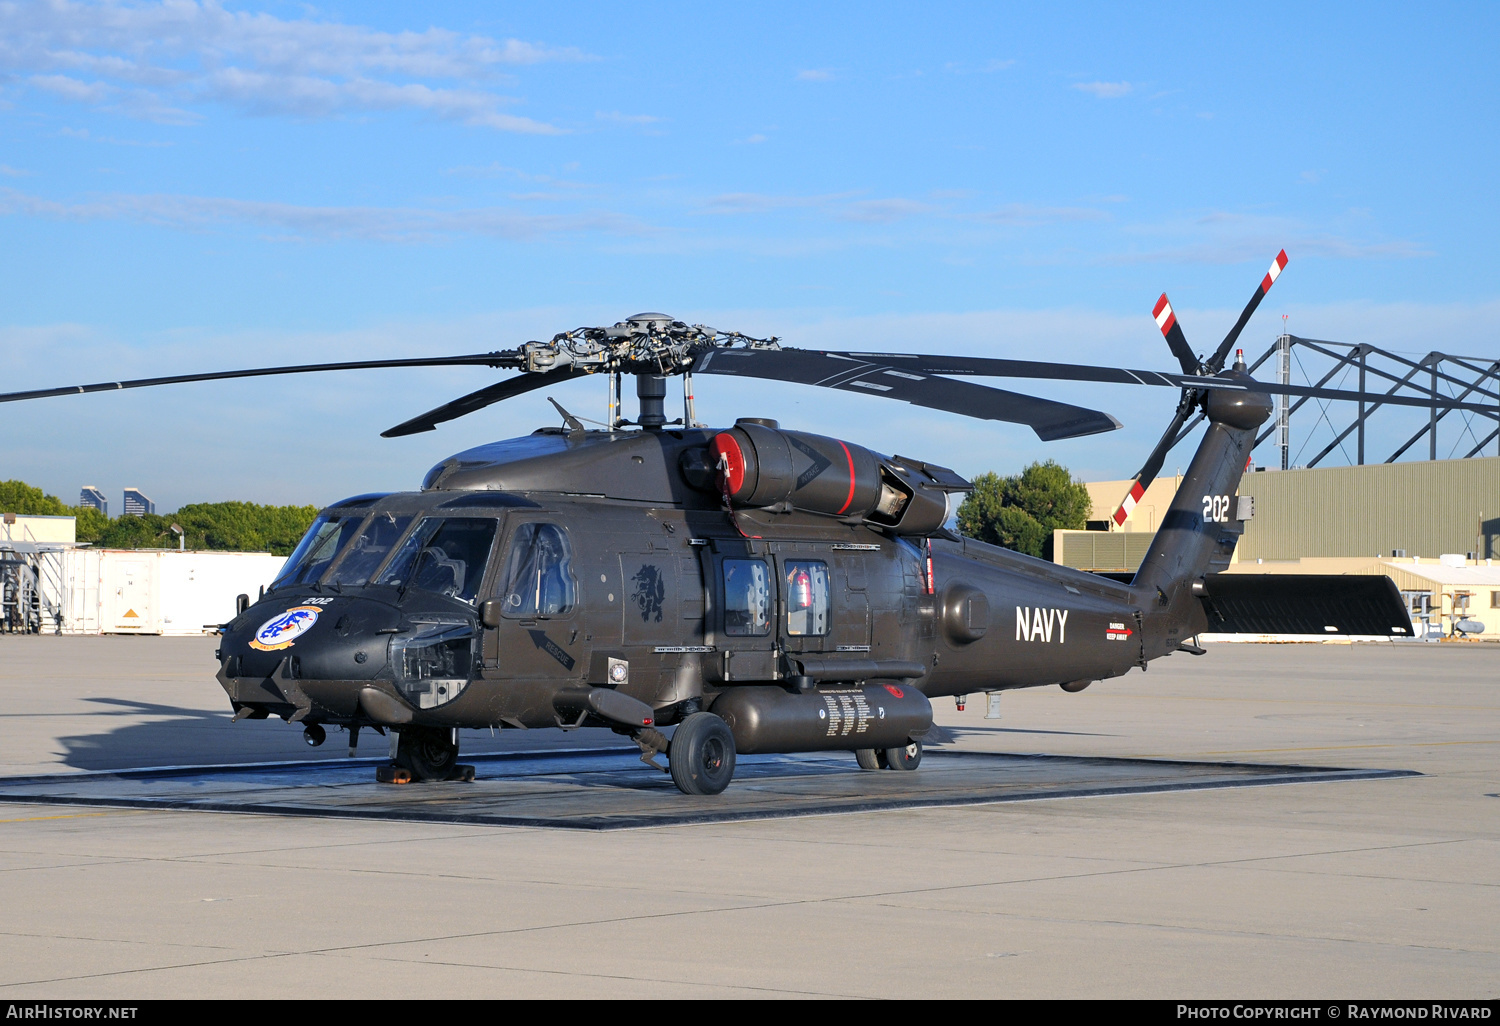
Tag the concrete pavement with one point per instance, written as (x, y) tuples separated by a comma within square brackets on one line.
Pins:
[(1376, 888)]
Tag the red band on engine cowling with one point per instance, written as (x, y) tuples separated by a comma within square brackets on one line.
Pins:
[(730, 461), (850, 457)]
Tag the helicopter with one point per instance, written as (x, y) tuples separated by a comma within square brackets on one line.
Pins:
[(755, 588)]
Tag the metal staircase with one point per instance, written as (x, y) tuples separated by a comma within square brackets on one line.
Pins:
[(33, 592)]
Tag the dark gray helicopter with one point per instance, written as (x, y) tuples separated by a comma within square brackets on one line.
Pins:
[(761, 589)]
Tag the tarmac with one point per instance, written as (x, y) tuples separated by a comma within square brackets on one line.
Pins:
[(1266, 821)]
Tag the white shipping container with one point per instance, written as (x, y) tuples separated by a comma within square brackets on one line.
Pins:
[(196, 590), (121, 591)]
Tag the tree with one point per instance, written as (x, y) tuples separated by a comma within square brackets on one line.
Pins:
[(89, 524), (20, 497), (225, 526), (1020, 512)]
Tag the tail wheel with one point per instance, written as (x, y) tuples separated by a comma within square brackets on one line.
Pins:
[(907, 758), (700, 755), (869, 758), (430, 753)]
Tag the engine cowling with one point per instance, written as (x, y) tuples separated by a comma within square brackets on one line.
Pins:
[(756, 464)]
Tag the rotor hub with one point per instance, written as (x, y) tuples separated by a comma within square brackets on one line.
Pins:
[(651, 321)]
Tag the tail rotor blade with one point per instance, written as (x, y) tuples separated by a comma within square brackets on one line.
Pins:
[(1153, 464), (1166, 320), (1216, 364)]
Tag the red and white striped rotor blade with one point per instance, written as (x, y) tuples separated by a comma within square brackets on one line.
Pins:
[(1166, 320), (1131, 498), (1277, 266)]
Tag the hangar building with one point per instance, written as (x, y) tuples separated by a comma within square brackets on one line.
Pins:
[(1433, 526)]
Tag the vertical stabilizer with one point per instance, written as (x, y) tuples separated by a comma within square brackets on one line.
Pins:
[(1199, 529)]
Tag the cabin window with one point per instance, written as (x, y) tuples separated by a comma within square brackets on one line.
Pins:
[(538, 577), (364, 556), (323, 540), (747, 598), (806, 598), (444, 554)]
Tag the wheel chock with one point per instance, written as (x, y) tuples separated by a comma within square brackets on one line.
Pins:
[(462, 772), (392, 775)]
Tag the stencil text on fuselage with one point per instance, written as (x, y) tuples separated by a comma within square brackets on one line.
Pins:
[(1041, 623)]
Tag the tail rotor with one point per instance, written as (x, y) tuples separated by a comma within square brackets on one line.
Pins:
[(1192, 398)]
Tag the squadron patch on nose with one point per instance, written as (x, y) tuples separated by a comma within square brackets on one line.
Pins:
[(282, 631)]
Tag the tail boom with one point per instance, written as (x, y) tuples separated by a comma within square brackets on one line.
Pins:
[(1199, 530)]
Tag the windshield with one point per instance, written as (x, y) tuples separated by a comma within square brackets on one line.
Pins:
[(444, 554), (369, 550), (322, 542)]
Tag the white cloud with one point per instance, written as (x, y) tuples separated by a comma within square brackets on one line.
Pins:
[(13, 172), (883, 211), (1104, 90), (1029, 214), (987, 68), (761, 203), (1225, 237), (381, 224), (72, 88), (815, 75), (626, 119), (150, 59), (84, 133)]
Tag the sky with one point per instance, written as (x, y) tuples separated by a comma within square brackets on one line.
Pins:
[(194, 186)]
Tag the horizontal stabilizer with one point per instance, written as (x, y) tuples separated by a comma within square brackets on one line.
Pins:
[(1305, 604)]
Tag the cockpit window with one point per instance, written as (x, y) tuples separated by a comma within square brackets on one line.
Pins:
[(444, 554), (324, 539), (368, 551), (539, 573)]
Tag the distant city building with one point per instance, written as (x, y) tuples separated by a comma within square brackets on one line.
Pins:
[(91, 496), (136, 503)]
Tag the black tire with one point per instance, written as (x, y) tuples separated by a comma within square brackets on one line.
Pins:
[(907, 758), (868, 759), (428, 752), (700, 755)]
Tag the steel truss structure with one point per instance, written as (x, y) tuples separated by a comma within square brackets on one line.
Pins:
[(1434, 376)]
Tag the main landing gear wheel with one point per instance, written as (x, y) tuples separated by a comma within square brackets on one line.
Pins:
[(906, 758), (700, 755), (869, 758), (428, 753)]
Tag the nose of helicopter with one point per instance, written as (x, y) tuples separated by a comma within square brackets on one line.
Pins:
[(342, 637)]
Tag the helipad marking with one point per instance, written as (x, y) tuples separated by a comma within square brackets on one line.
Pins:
[(611, 789)]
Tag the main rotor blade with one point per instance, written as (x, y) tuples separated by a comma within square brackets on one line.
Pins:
[(1166, 320), (1049, 419), (981, 366), (1216, 362), (486, 396), (497, 359)]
